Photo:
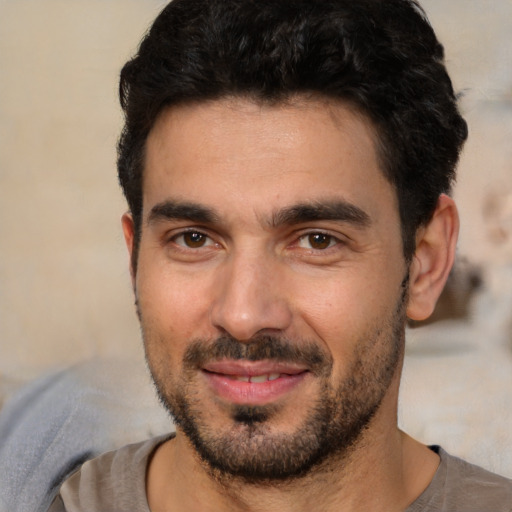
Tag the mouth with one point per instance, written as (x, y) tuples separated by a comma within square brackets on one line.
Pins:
[(253, 382)]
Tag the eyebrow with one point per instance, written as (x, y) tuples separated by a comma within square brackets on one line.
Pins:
[(336, 210), (177, 210)]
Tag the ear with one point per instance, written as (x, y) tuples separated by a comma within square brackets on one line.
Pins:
[(129, 237), (433, 259)]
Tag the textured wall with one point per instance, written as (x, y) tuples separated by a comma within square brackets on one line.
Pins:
[(457, 386), (64, 286), (65, 292)]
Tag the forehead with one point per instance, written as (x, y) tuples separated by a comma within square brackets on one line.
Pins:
[(251, 155)]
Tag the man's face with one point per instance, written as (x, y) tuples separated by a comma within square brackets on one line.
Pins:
[(271, 285)]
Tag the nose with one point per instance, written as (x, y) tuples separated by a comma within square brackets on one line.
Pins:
[(250, 298)]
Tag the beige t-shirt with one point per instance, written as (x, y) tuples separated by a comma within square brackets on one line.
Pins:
[(115, 482)]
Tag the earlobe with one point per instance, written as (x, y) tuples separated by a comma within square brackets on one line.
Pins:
[(433, 259), (129, 234)]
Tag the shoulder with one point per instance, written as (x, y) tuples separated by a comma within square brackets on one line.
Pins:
[(113, 481), (467, 480), (461, 486)]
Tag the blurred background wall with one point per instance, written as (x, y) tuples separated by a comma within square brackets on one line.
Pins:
[(64, 286), (65, 291)]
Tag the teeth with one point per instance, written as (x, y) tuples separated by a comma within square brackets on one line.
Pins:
[(257, 378)]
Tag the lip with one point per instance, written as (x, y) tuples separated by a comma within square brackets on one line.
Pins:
[(222, 377)]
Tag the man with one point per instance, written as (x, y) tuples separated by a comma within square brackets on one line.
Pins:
[(287, 167)]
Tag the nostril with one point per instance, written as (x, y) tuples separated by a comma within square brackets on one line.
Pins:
[(252, 321)]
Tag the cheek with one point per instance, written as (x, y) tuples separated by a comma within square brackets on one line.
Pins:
[(344, 312), (336, 303), (173, 306)]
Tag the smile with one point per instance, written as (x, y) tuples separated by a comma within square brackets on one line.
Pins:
[(252, 382)]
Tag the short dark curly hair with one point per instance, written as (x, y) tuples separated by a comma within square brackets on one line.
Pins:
[(381, 56)]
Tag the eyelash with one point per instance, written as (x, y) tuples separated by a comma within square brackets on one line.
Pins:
[(326, 239)]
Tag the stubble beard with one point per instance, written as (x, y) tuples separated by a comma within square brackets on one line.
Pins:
[(250, 449)]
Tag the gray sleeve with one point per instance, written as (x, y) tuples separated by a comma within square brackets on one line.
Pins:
[(50, 427)]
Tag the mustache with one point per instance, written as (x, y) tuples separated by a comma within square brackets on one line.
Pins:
[(259, 348)]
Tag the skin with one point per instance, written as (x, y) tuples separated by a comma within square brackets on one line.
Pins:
[(243, 273)]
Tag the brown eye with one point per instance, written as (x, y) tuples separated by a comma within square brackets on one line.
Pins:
[(194, 239), (191, 245), (320, 241)]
